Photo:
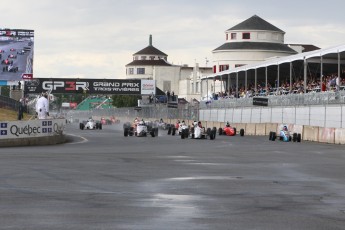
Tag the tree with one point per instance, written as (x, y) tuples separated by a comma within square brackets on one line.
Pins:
[(125, 100)]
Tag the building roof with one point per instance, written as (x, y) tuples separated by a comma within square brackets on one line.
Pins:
[(160, 62), (150, 50), (255, 23), (306, 47), (256, 46)]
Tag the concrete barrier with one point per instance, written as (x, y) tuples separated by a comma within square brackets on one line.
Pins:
[(310, 133), (339, 136), (250, 129), (240, 126), (326, 135), (260, 129), (271, 127)]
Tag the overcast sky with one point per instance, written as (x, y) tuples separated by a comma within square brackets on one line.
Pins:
[(96, 39)]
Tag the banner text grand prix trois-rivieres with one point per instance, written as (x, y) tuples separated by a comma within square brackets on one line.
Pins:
[(91, 86)]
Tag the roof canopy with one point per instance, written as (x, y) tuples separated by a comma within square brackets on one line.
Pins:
[(287, 59)]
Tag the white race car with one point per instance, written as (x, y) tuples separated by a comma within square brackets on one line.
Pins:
[(90, 124), (139, 129)]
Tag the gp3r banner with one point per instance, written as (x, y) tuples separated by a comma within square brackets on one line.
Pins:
[(91, 86)]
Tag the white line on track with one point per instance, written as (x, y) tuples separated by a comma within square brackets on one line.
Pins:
[(78, 142)]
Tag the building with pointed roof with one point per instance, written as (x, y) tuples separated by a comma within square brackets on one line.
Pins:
[(253, 40), (151, 63)]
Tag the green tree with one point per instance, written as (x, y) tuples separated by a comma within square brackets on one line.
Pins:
[(125, 100)]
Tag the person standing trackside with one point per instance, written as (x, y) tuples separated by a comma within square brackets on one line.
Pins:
[(42, 106)]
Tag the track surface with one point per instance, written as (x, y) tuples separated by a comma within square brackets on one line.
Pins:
[(103, 180)]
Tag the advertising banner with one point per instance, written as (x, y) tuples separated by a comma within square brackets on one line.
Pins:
[(32, 128), (91, 86)]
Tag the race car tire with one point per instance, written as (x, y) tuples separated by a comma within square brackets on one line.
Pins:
[(235, 131), (156, 132), (125, 132), (81, 126), (213, 134), (220, 131), (182, 134), (208, 131), (290, 138), (169, 130), (131, 131), (187, 133), (99, 125), (152, 133), (294, 137), (299, 137), (193, 136), (274, 136), (192, 130), (270, 136), (241, 132), (214, 130), (173, 131)]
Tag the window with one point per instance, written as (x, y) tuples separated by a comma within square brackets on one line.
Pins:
[(152, 57), (233, 36), (223, 67), (141, 71), (131, 70), (214, 69), (227, 37), (143, 57), (245, 35), (136, 58), (239, 65)]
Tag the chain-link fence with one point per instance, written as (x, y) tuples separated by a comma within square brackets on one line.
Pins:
[(155, 111)]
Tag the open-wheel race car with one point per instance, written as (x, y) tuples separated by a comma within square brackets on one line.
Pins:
[(200, 132), (90, 124), (139, 129), (178, 128), (228, 130), (285, 135)]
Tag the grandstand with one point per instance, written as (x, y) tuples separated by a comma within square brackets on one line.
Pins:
[(95, 102)]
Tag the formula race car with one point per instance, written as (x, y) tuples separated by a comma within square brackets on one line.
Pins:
[(21, 52), (6, 62), (199, 132), (10, 68), (90, 124), (139, 129), (12, 56), (12, 49), (284, 135), (229, 130)]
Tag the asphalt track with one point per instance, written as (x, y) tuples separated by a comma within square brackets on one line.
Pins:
[(103, 180)]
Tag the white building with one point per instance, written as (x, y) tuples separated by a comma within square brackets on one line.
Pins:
[(251, 41), (151, 63)]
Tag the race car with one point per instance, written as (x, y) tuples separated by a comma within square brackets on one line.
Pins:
[(21, 52), (229, 130), (6, 62), (2, 51), (285, 135), (178, 127), (12, 56), (90, 124), (12, 49), (199, 132), (139, 129), (10, 68), (161, 124)]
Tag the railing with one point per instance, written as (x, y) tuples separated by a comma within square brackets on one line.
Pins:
[(324, 98), (9, 103)]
